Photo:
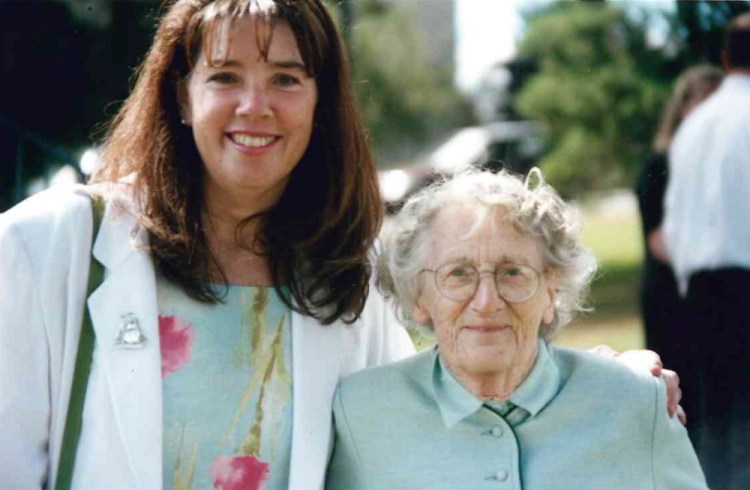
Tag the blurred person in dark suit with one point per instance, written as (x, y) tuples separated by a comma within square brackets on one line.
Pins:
[(662, 310)]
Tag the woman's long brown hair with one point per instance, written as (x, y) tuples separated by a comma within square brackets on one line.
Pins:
[(697, 82), (318, 236)]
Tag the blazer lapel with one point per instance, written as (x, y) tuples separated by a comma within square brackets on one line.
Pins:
[(316, 366), (133, 374)]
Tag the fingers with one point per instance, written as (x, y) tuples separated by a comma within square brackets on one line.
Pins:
[(681, 415), (649, 360), (674, 393), (642, 359), (658, 368)]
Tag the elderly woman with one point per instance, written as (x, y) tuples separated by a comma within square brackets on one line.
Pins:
[(495, 266)]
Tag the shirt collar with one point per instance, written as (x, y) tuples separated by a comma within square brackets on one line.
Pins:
[(541, 385), (738, 79), (456, 402)]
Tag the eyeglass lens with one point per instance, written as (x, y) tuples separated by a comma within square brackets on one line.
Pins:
[(514, 282)]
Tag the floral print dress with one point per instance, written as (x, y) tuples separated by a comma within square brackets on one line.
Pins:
[(227, 385)]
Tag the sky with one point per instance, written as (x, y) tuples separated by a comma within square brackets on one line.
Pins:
[(487, 31)]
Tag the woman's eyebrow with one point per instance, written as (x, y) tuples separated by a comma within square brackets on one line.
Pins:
[(460, 257), (505, 259), (218, 64), (515, 260), (288, 64)]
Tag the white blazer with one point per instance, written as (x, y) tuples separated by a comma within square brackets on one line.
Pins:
[(44, 264)]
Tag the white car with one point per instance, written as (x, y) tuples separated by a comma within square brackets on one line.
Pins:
[(514, 145)]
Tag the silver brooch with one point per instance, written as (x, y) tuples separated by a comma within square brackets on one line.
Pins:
[(130, 335)]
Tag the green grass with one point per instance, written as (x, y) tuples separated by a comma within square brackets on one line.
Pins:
[(616, 241), (615, 238)]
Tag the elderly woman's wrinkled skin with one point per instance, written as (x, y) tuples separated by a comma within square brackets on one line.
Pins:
[(488, 343)]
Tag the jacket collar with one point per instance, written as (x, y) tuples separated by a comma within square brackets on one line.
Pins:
[(132, 374), (119, 236), (457, 403)]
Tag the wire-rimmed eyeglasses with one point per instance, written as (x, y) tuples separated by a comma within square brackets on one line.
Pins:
[(459, 281)]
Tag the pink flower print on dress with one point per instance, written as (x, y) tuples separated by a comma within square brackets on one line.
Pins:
[(177, 337), (239, 473)]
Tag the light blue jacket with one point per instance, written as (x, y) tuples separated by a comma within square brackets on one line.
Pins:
[(579, 421)]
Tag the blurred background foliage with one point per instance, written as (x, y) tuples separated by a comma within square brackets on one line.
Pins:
[(406, 100), (587, 71), (65, 67), (595, 94), (600, 81)]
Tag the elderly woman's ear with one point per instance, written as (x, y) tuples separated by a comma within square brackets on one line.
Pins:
[(551, 290), (420, 314)]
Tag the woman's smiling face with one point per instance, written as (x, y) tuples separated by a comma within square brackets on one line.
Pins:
[(252, 116), (484, 334)]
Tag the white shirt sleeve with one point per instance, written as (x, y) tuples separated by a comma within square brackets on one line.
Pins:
[(24, 367)]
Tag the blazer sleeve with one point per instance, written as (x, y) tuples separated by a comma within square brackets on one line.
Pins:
[(342, 472), (24, 367), (675, 464)]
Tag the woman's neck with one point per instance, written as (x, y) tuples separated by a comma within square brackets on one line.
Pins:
[(234, 243), (226, 208), (497, 386)]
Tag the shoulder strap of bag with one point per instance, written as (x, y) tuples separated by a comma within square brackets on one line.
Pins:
[(84, 355)]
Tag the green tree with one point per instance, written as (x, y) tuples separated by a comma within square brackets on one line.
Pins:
[(406, 102), (65, 65), (596, 94), (698, 28)]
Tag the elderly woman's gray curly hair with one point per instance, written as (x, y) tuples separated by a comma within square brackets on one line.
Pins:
[(531, 205)]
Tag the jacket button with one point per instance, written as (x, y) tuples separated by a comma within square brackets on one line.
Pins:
[(501, 475), (497, 431)]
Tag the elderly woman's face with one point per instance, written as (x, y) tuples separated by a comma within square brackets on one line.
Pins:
[(483, 334), (251, 118)]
